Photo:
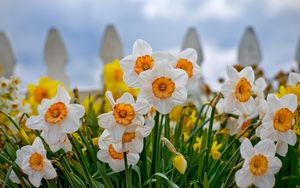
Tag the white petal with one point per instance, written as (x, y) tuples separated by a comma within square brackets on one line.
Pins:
[(131, 79), (264, 181), (14, 178), (265, 147), (273, 103), (289, 101), (62, 95), (274, 165), (127, 63), (293, 79), (180, 77), (50, 172), (110, 98), (248, 73), (36, 122), (38, 143), (132, 158), (243, 178), (35, 178), (189, 54), (141, 48), (232, 73), (288, 137), (162, 56), (163, 106), (77, 108), (229, 104), (117, 165), (141, 106), (126, 98), (246, 149), (103, 155), (70, 124), (282, 148), (136, 145), (228, 89), (52, 135), (179, 96), (117, 132), (106, 120)]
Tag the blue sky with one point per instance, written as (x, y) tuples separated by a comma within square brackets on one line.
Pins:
[(163, 23)]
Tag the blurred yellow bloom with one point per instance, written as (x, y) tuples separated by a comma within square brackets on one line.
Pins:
[(96, 104), (113, 81), (175, 113), (197, 144), (179, 163), (45, 89), (215, 150), (95, 141)]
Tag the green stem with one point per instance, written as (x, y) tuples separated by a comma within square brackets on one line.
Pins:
[(209, 140), (155, 144), (127, 172)]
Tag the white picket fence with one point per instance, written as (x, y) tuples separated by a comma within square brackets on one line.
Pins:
[(56, 57)]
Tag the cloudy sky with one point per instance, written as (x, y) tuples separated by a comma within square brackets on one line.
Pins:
[(163, 23)]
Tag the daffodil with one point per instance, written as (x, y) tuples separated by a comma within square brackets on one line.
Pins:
[(46, 88), (197, 144), (56, 117), (63, 143), (133, 139), (126, 114), (163, 86), (113, 154), (179, 163), (214, 151), (259, 166), (187, 61), (32, 159), (238, 90), (142, 59), (278, 122)]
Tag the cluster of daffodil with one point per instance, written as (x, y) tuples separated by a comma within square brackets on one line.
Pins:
[(11, 100), (148, 129)]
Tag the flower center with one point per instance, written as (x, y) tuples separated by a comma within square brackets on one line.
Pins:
[(40, 93), (124, 113), (3, 85), (143, 63), (283, 120), (163, 87), (128, 137), (185, 65), (114, 154), (118, 75), (36, 161), (56, 113), (258, 165), (243, 90)]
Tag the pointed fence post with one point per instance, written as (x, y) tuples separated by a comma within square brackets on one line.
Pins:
[(56, 57), (7, 59), (249, 52), (111, 47), (191, 40)]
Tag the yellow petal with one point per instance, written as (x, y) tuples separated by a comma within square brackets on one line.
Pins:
[(179, 163)]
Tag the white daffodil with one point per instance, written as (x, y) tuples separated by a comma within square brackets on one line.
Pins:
[(33, 162), (164, 87), (4, 85), (63, 143), (113, 154), (278, 121), (187, 61), (126, 114), (132, 139), (238, 89), (259, 166), (57, 117), (142, 59), (293, 79)]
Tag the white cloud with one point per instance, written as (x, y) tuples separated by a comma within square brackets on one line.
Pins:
[(278, 6), (183, 10)]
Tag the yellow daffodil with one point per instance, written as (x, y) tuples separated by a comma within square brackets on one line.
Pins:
[(197, 144), (179, 163), (215, 150), (46, 88)]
